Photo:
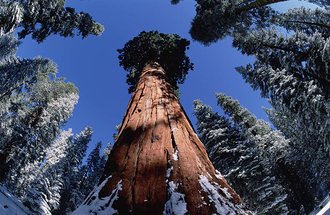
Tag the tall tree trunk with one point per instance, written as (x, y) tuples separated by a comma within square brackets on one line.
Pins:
[(158, 165)]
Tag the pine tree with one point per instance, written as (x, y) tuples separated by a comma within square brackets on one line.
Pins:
[(243, 162), (293, 71), (34, 104), (256, 129), (218, 135), (91, 172), (55, 187), (16, 75), (47, 106), (158, 165), (306, 166), (15, 72), (70, 193), (306, 20), (44, 192), (216, 19), (42, 18)]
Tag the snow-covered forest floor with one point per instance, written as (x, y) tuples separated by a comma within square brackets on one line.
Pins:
[(10, 205)]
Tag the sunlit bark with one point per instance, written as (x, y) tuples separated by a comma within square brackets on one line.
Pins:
[(157, 153)]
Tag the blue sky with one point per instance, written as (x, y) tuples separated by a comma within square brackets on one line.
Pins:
[(92, 64)]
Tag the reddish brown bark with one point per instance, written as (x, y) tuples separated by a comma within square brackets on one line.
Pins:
[(156, 148)]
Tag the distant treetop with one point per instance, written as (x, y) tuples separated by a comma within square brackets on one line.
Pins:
[(148, 47)]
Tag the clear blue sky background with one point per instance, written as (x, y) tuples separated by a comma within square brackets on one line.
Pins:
[(92, 63)]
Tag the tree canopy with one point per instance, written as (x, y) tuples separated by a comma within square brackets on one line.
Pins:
[(42, 18), (169, 50), (216, 19)]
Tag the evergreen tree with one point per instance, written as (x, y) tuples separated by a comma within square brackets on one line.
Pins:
[(258, 130), (34, 104), (306, 166), (42, 18), (293, 71), (44, 192), (70, 193), (322, 3), (306, 20), (218, 135), (158, 165), (285, 122), (47, 106), (175, 1), (216, 19), (166, 49), (55, 186), (91, 172), (16, 73), (243, 160)]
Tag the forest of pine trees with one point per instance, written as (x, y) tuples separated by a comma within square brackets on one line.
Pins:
[(234, 163), (41, 163)]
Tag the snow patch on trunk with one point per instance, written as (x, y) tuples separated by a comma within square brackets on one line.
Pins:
[(219, 175), (175, 155), (176, 205), (168, 172), (100, 206)]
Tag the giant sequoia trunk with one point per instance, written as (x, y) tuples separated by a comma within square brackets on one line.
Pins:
[(158, 165)]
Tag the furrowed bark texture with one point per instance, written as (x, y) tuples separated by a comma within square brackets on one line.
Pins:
[(158, 164)]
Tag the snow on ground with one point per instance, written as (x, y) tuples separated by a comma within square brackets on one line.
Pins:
[(323, 208), (10, 205)]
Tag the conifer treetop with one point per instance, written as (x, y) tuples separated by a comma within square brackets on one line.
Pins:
[(42, 18), (149, 47), (216, 19), (234, 109)]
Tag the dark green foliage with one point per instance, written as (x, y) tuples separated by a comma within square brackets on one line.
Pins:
[(91, 172), (41, 18), (62, 21), (175, 1), (216, 19), (148, 47)]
